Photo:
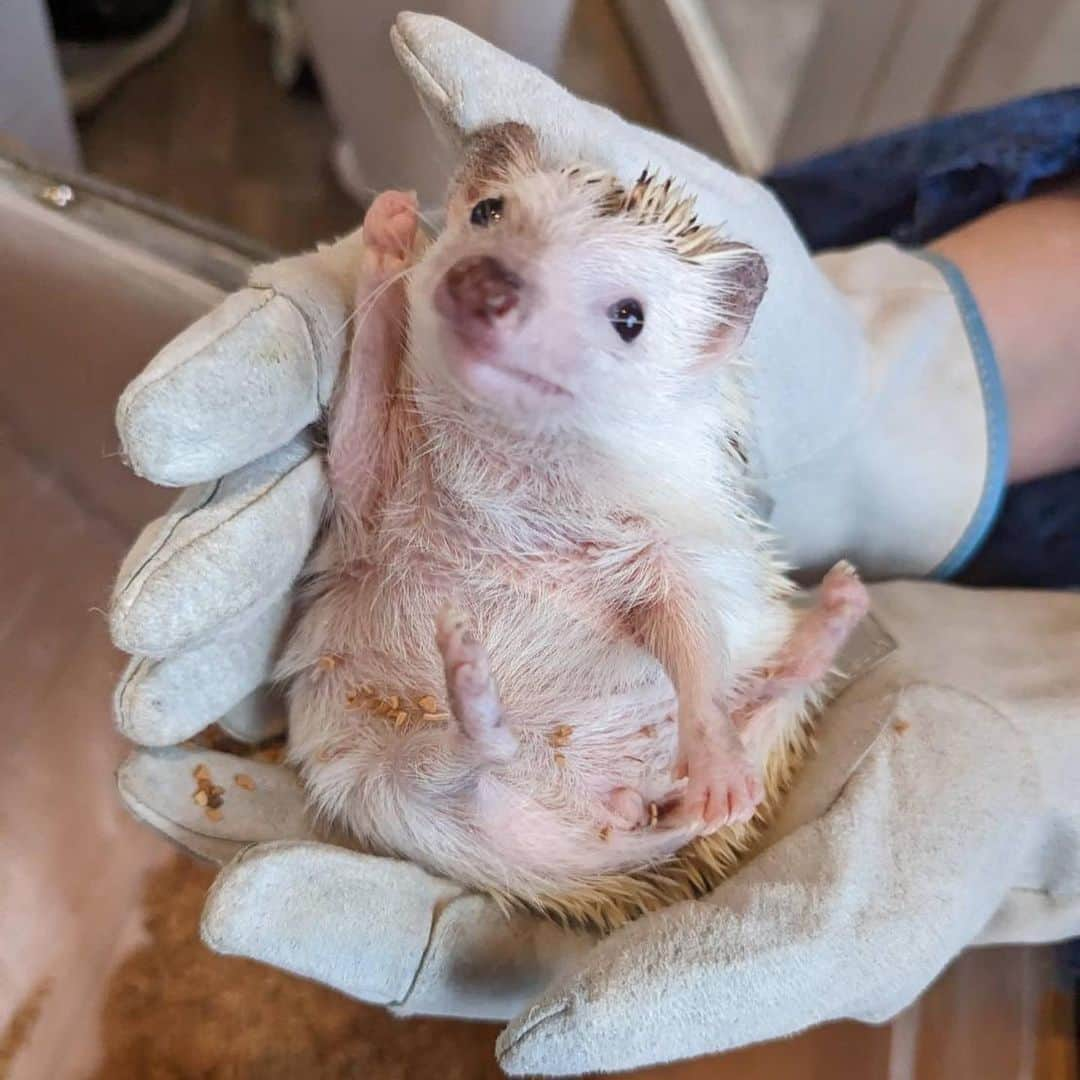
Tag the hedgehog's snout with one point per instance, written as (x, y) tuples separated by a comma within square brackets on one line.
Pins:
[(478, 288)]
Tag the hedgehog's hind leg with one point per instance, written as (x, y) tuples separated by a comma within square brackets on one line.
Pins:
[(805, 661), (471, 690), (822, 631)]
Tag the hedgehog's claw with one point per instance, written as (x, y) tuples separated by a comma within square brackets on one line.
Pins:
[(723, 787)]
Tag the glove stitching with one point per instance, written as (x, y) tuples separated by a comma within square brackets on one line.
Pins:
[(507, 1045), (437, 909), (1030, 760), (177, 522), (432, 86), (314, 342), (898, 695), (128, 681), (162, 567)]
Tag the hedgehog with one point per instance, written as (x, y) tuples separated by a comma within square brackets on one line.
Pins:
[(546, 648)]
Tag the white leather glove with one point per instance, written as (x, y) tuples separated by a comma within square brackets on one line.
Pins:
[(942, 809), (202, 598), (875, 444)]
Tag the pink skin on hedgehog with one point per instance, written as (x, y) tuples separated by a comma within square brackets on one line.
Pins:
[(533, 456)]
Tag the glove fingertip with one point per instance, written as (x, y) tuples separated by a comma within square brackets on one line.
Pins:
[(407, 28), (224, 902), (234, 386), (531, 1045)]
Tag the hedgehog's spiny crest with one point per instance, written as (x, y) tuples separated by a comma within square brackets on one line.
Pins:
[(662, 204)]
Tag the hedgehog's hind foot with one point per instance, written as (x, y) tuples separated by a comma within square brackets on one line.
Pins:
[(471, 690)]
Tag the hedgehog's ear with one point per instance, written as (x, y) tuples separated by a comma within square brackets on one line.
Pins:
[(739, 280), (493, 154)]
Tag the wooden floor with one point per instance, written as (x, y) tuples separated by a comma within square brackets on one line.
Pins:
[(206, 129), (101, 972)]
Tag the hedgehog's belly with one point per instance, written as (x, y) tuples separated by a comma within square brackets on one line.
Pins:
[(392, 768), (592, 711), (547, 648)]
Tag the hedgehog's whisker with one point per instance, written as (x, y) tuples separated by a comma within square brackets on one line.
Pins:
[(364, 309)]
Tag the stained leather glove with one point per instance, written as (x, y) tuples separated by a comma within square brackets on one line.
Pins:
[(941, 809), (879, 441)]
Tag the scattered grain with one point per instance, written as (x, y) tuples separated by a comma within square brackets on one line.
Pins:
[(201, 797), (900, 727), (213, 813), (201, 772), (428, 704), (605, 832), (561, 735), (244, 781), (560, 760), (400, 717)]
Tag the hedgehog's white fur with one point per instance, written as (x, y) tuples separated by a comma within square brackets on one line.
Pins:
[(536, 518)]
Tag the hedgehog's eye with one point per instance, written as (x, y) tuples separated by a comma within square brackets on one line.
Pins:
[(486, 211), (628, 318)]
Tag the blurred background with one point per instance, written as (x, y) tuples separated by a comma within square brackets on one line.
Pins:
[(150, 151), (267, 115)]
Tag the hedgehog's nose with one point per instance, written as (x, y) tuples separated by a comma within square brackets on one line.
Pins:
[(478, 287)]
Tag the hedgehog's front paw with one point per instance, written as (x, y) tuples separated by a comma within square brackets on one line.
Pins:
[(722, 788), (390, 224), (844, 596)]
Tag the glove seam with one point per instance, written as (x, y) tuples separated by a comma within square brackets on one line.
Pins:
[(407, 54), (315, 339), (437, 909), (178, 520), (989, 706), (1030, 760), (126, 682), (923, 287), (1048, 893), (199, 539)]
